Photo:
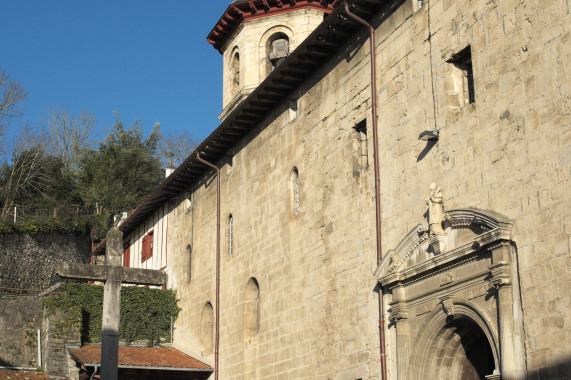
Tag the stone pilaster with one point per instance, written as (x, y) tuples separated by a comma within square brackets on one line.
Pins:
[(399, 316), (501, 280)]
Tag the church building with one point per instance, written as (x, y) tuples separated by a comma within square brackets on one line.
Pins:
[(386, 196)]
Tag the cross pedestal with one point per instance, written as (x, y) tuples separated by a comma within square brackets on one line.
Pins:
[(113, 274)]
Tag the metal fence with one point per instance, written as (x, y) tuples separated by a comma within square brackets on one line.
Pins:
[(64, 212)]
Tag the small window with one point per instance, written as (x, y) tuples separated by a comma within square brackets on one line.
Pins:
[(295, 190), (292, 109), (230, 235), (187, 201), (362, 149), (147, 250), (463, 76), (189, 258)]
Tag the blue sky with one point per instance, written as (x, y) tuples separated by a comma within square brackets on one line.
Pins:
[(146, 59)]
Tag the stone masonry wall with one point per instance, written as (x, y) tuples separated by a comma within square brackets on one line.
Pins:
[(20, 319), (57, 335), (29, 262), (508, 152)]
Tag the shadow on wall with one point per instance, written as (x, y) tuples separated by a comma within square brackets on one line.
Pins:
[(4, 363), (558, 371)]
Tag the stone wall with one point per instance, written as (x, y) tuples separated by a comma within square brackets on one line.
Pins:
[(58, 335), (20, 319), (29, 261), (508, 152)]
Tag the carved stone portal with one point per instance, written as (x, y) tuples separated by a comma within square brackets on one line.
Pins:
[(442, 281)]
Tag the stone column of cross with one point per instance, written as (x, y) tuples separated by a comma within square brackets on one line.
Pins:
[(113, 274)]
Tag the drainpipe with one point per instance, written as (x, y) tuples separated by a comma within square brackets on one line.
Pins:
[(39, 349), (94, 372), (217, 317), (377, 182)]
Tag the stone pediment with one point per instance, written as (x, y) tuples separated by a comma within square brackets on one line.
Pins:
[(464, 231)]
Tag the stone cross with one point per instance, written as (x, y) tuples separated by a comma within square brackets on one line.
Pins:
[(113, 274)]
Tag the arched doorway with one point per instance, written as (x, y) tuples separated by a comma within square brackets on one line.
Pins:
[(461, 351), (458, 341)]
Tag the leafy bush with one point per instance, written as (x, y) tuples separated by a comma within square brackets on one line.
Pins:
[(47, 226)]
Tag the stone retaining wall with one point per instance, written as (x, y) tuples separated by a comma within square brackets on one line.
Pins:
[(29, 262)]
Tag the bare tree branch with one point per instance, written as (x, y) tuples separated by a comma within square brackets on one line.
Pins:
[(11, 95), (68, 134), (29, 171), (175, 148)]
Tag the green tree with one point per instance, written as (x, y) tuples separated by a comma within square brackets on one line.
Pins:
[(123, 169)]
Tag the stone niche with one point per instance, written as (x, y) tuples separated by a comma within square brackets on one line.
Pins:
[(452, 298)]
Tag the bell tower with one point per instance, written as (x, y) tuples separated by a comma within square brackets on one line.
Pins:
[(255, 36)]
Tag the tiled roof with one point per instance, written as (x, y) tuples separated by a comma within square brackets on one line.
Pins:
[(153, 357), (8, 374)]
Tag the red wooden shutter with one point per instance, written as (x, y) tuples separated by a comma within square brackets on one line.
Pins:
[(147, 251), (127, 255)]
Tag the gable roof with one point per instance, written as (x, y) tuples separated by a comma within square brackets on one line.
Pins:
[(320, 46), (142, 357)]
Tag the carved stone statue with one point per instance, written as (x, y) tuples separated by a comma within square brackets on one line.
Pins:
[(435, 211)]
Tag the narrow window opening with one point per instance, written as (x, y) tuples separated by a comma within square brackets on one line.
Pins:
[(252, 308), (207, 329), (235, 76), (362, 146), (189, 258), (295, 190), (230, 235), (292, 109), (187, 201), (463, 76)]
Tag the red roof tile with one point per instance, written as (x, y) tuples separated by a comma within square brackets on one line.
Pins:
[(158, 357), (8, 374)]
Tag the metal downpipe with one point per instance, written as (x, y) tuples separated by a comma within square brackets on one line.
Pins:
[(217, 315), (377, 181)]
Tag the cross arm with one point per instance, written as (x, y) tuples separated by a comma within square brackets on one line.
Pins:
[(82, 271), (100, 273), (143, 276)]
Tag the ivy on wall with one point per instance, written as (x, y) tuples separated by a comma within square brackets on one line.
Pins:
[(146, 314)]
